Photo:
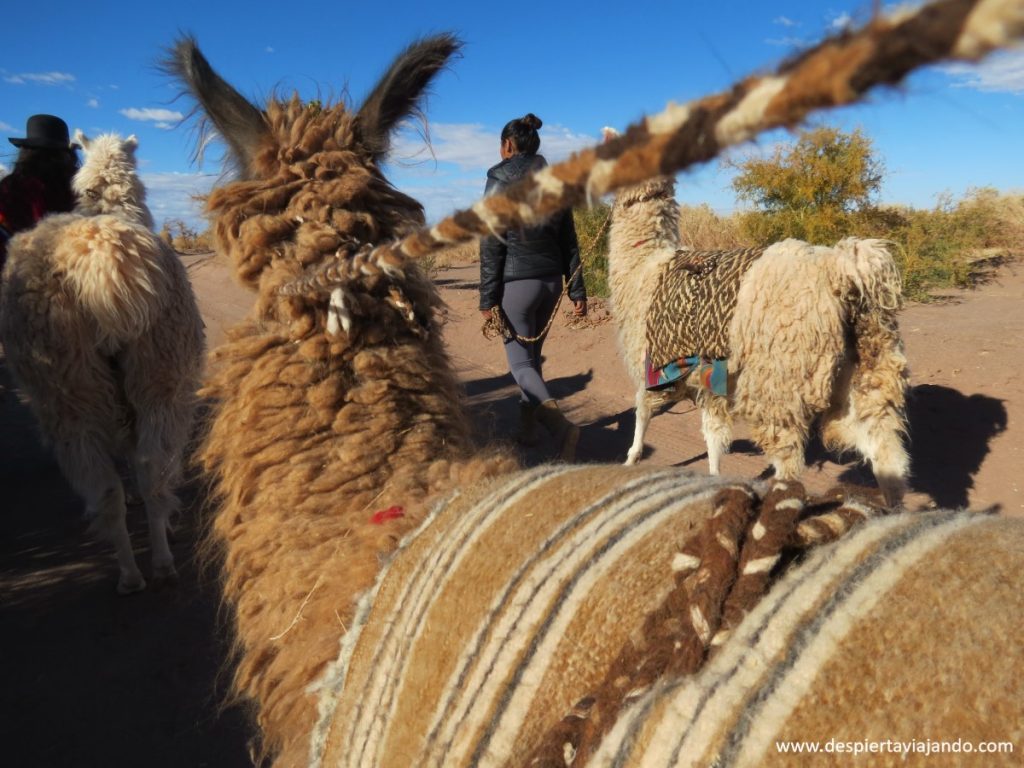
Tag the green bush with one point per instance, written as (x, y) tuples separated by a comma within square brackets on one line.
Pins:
[(592, 230), (811, 189)]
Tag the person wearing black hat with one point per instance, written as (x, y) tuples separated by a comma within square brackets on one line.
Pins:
[(41, 180)]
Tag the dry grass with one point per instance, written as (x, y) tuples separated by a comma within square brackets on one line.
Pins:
[(467, 253), (953, 243), (701, 229)]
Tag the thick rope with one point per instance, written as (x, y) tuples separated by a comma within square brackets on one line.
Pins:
[(720, 574), (840, 70)]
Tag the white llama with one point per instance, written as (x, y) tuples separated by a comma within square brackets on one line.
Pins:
[(103, 336), (810, 331)]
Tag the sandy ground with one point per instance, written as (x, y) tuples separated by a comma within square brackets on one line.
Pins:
[(90, 679)]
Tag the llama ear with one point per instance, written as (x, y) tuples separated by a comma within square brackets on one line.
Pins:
[(398, 93), (240, 123), (131, 143), (81, 139)]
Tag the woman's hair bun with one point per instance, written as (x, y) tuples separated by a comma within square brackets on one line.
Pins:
[(530, 120)]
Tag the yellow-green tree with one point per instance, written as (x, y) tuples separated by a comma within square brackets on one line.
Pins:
[(812, 189)]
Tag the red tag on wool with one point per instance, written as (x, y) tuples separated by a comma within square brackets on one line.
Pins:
[(390, 513)]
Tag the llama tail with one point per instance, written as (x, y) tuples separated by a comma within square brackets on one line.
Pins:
[(115, 270), (872, 279), (872, 294)]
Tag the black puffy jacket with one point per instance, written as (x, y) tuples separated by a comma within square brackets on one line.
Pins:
[(543, 251)]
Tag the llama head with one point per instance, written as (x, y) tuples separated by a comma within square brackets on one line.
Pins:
[(107, 181), (308, 174)]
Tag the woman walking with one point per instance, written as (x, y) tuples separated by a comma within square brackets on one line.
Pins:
[(522, 277)]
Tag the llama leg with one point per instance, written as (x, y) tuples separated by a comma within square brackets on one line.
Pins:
[(155, 473), (783, 442), (643, 418), (716, 426), (838, 423), (788, 459), (868, 415), (93, 475), (878, 436)]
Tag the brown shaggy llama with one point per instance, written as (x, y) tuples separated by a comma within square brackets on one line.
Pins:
[(808, 332), (403, 598), (103, 337)]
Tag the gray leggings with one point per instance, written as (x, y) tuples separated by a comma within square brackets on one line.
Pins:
[(528, 305)]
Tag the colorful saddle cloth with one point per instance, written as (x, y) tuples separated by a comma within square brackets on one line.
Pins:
[(711, 374)]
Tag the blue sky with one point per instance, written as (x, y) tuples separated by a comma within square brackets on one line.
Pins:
[(578, 65)]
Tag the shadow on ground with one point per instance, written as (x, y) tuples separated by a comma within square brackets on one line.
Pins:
[(950, 435), (91, 678)]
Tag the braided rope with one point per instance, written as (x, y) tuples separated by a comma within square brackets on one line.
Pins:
[(721, 574), (839, 71), (496, 324)]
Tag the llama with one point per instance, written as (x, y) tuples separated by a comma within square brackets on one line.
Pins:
[(402, 596), (103, 336), (808, 331)]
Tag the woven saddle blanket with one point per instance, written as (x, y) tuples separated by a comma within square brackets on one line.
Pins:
[(693, 304)]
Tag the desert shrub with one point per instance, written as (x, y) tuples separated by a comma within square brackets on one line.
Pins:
[(184, 238), (821, 188), (592, 231), (810, 189), (947, 245)]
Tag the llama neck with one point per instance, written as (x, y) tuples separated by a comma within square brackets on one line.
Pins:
[(126, 201), (647, 214), (133, 206), (328, 451), (643, 237)]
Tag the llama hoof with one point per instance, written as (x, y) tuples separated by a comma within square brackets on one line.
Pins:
[(165, 576), (129, 583)]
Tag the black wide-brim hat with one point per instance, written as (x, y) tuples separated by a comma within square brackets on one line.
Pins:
[(44, 132)]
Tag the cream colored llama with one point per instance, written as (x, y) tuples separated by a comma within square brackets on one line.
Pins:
[(402, 597), (103, 337), (811, 332)]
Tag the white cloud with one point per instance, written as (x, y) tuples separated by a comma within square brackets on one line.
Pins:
[(171, 196), (5, 127), (787, 42), (164, 126), (467, 145), (558, 142), (269, 49), (842, 21), (784, 21), (93, 103), (442, 196), (453, 176), (1000, 73), (470, 146), (155, 115), (41, 78)]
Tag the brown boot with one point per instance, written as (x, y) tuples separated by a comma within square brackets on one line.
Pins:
[(565, 433), (526, 434)]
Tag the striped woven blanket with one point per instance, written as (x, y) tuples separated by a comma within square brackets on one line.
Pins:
[(693, 304), (499, 623)]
